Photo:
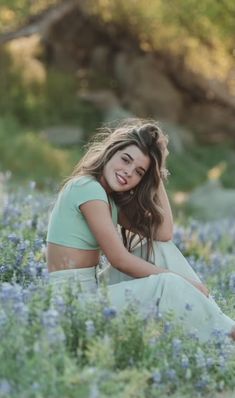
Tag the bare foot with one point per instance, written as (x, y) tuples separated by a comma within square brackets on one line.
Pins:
[(232, 334)]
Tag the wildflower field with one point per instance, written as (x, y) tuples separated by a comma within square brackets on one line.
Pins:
[(68, 346)]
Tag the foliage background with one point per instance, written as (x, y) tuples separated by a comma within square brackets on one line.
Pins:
[(60, 347), (203, 31)]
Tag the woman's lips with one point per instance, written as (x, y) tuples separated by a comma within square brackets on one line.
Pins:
[(121, 179)]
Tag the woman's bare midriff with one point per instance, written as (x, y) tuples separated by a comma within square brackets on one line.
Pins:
[(62, 257)]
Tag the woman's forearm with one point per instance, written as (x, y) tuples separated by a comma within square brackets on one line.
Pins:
[(134, 266)]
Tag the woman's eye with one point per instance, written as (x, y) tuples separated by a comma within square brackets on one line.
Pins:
[(140, 174), (125, 160)]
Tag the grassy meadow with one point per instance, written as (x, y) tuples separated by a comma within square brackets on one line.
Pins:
[(67, 346)]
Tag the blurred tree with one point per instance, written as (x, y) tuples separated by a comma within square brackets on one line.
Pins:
[(205, 20), (14, 13)]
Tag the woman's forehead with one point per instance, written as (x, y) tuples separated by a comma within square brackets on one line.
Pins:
[(133, 149), (136, 154)]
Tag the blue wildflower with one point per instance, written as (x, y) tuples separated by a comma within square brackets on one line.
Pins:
[(5, 388), (184, 361), (203, 382), (109, 312), (167, 327), (171, 374), (176, 345), (232, 282), (188, 307), (209, 362), (50, 318), (200, 358), (14, 238), (157, 376)]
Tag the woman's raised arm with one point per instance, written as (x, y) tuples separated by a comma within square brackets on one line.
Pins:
[(165, 230), (98, 217)]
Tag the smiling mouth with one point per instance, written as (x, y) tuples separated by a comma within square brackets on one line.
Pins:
[(121, 179)]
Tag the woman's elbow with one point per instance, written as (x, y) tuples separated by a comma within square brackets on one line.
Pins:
[(116, 259), (165, 237)]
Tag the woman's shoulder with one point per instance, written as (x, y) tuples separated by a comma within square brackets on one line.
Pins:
[(85, 186), (85, 180)]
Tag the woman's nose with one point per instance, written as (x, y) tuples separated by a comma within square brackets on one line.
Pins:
[(128, 171)]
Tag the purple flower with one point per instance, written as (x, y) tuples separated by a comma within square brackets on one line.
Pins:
[(218, 335), (176, 345), (184, 361), (50, 318), (59, 303), (10, 292), (203, 381), (171, 374), (232, 282), (188, 307), (3, 269), (209, 362), (23, 246), (21, 311), (14, 238), (38, 243), (167, 327), (109, 312), (156, 376), (222, 362), (5, 388), (200, 358)]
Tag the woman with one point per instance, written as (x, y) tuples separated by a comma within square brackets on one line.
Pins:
[(119, 181)]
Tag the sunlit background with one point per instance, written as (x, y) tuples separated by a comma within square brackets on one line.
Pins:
[(68, 67)]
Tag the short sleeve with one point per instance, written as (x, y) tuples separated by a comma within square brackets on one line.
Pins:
[(86, 189)]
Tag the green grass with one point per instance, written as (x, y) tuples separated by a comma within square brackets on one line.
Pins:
[(192, 168)]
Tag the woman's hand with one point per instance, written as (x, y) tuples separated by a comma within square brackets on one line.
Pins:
[(202, 288), (163, 142)]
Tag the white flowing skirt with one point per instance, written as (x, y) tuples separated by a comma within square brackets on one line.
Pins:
[(168, 291)]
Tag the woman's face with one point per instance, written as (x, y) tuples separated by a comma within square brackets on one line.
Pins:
[(125, 169)]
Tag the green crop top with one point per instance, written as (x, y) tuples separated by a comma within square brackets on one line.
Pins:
[(67, 225)]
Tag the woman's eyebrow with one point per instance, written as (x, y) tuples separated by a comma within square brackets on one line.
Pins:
[(131, 158)]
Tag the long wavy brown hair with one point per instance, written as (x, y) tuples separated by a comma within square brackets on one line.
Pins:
[(141, 206)]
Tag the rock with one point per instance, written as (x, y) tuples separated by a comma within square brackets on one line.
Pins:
[(148, 90), (181, 85), (211, 201), (63, 135), (211, 122), (179, 137), (100, 59), (108, 104)]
